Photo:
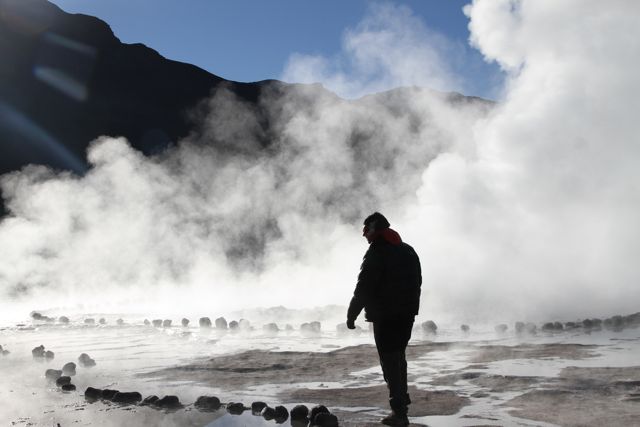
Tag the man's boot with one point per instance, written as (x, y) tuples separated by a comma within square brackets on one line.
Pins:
[(395, 420)]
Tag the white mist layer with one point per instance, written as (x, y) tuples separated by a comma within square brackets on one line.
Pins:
[(529, 212)]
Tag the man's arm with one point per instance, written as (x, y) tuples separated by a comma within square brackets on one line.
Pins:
[(370, 274)]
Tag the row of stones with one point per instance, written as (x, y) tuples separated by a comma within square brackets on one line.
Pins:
[(300, 415)]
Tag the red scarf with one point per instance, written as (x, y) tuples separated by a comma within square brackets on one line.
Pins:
[(387, 234)]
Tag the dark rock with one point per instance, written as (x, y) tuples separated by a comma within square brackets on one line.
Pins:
[(102, 321), (205, 322), (271, 328), (235, 408), (89, 321), (86, 361), (92, 393), (317, 410), (127, 397), (69, 369), (464, 328), (185, 322), (156, 322), (119, 322), (548, 326), (570, 325), (63, 319), (429, 327), (281, 414), (208, 403), (312, 328), (166, 323), (221, 323), (268, 413), (299, 412), (36, 316), (146, 322), (519, 327), (53, 374), (38, 351), (324, 419), (63, 380), (169, 402), (108, 394), (558, 326), (49, 354), (501, 328), (150, 400), (257, 407), (233, 325), (597, 322), (68, 387)]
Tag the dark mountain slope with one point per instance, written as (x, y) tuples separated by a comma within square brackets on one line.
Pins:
[(66, 79)]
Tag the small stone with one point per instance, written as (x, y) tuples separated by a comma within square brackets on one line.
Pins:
[(157, 322), (146, 322), (168, 402), (166, 323), (519, 327), (69, 369), (221, 323), (92, 393), (234, 325), (102, 321), (464, 328), (68, 387), (127, 397), (53, 374), (38, 351), (317, 410), (108, 394), (49, 354), (208, 403), (257, 407), (63, 319), (299, 412), (63, 380), (429, 327), (268, 413), (271, 328), (324, 419), (150, 400), (204, 322), (281, 414), (235, 408), (185, 322), (119, 322), (89, 321), (86, 360)]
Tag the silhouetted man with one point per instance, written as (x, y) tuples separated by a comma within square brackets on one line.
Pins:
[(388, 289)]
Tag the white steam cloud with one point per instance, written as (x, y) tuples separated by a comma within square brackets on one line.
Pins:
[(524, 211)]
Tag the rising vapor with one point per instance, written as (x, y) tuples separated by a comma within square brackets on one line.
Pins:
[(523, 207)]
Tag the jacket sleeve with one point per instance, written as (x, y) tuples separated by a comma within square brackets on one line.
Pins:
[(368, 278)]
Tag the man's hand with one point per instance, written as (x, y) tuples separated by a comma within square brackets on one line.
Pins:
[(351, 324)]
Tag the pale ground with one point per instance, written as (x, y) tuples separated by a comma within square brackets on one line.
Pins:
[(481, 378)]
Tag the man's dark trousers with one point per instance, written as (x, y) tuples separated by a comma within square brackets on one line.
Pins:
[(392, 336)]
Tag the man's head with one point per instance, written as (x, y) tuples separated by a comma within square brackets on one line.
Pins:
[(373, 224)]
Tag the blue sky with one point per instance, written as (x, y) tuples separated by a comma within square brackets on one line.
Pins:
[(250, 40)]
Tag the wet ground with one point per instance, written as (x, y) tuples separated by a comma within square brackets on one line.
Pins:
[(479, 378)]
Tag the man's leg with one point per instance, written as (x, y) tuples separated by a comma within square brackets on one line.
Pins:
[(392, 338)]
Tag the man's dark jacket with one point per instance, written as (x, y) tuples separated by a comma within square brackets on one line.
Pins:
[(388, 284)]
